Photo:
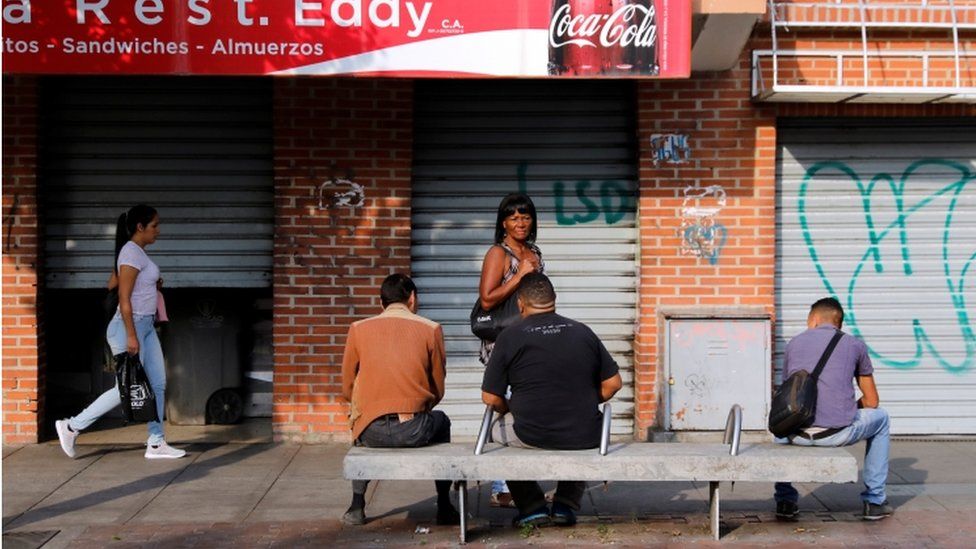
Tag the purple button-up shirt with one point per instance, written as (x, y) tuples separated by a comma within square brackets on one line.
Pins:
[(836, 405)]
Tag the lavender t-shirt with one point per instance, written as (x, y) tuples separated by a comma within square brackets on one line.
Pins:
[(144, 292), (836, 405)]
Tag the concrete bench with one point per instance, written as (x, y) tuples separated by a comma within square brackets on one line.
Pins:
[(697, 462)]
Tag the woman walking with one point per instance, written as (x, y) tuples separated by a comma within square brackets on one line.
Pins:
[(513, 256), (131, 330)]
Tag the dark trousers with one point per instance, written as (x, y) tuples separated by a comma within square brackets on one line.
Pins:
[(388, 432), (527, 494)]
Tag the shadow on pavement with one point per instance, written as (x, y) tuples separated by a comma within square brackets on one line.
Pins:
[(192, 471)]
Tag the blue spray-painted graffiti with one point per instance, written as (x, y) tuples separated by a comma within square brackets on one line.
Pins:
[(955, 265), (672, 148), (701, 235), (705, 241)]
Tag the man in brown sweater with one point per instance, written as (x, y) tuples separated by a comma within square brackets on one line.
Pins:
[(393, 376)]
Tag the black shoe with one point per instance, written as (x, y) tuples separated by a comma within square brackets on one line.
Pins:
[(563, 515), (787, 511), (355, 516), (537, 518), (877, 511), (447, 515)]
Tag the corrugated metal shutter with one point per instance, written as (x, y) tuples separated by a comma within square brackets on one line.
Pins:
[(571, 146), (911, 296), (197, 149)]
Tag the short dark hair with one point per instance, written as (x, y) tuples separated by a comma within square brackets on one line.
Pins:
[(396, 288), (828, 307), (515, 203), (536, 289)]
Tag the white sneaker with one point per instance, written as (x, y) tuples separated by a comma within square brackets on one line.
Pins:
[(163, 451), (66, 436)]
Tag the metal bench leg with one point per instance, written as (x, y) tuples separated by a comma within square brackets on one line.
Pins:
[(713, 508), (463, 508)]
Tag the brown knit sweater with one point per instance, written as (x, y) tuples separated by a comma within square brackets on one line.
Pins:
[(393, 364)]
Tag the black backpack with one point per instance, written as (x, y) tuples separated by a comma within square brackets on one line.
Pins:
[(795, 402)]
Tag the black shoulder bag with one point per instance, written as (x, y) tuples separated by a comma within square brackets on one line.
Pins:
[(488, 324), (795, 402)]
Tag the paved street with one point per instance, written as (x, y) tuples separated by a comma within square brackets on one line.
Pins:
[(280, 495)]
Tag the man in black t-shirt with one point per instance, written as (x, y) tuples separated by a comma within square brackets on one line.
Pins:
[(559, 373)]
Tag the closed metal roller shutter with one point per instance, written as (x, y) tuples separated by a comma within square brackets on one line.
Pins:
[(882, 214), (197, 149), (571, 146)]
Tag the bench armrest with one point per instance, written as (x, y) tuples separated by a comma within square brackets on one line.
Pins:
[(733, 429), (605, 432), (485, 429)]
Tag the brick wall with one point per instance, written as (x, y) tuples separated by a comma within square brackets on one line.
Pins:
[(733, 146), (23, 331), (329, 262), (733, 143)]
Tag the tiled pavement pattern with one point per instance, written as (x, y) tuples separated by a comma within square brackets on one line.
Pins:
[(279, 495)]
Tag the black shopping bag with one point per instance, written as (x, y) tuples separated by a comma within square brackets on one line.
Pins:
[(138, 400)]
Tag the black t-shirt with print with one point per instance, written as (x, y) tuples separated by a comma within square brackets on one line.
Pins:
[(555, 366)]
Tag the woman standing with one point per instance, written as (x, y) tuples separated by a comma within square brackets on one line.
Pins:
[(513, 256), (131, 330)]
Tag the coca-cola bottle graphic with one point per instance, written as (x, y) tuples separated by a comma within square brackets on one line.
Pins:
[(643, 49), (603, 37), (577, 52), (556, 50)]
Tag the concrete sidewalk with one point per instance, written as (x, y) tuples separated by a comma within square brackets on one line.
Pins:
[(263, 495)]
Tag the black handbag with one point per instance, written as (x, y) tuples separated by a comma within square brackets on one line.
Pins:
[(488, 324), (795, 402), (138, 400)]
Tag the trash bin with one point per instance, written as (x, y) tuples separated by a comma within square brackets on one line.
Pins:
[(201, 343)]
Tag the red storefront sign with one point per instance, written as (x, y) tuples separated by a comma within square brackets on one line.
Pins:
[(519, 38)]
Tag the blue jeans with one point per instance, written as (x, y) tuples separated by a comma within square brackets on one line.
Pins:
[(151, 355), (869, 424)]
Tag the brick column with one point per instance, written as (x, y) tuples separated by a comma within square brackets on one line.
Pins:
[(732, 145), (329, 261), (23, 328)]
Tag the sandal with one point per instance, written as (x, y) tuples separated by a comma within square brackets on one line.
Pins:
[(502, 499)]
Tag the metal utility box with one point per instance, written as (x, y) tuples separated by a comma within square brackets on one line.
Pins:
[(713, 363)]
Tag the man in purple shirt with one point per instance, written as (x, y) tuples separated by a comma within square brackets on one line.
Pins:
[(841, 419)]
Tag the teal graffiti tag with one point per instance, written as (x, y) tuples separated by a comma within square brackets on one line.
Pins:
[(613, 202), (609, 192), (899, 226)]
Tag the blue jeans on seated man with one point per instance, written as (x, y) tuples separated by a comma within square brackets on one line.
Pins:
[(871, 424)]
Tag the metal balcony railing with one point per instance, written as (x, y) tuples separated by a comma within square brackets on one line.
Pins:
[(862, 74)]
